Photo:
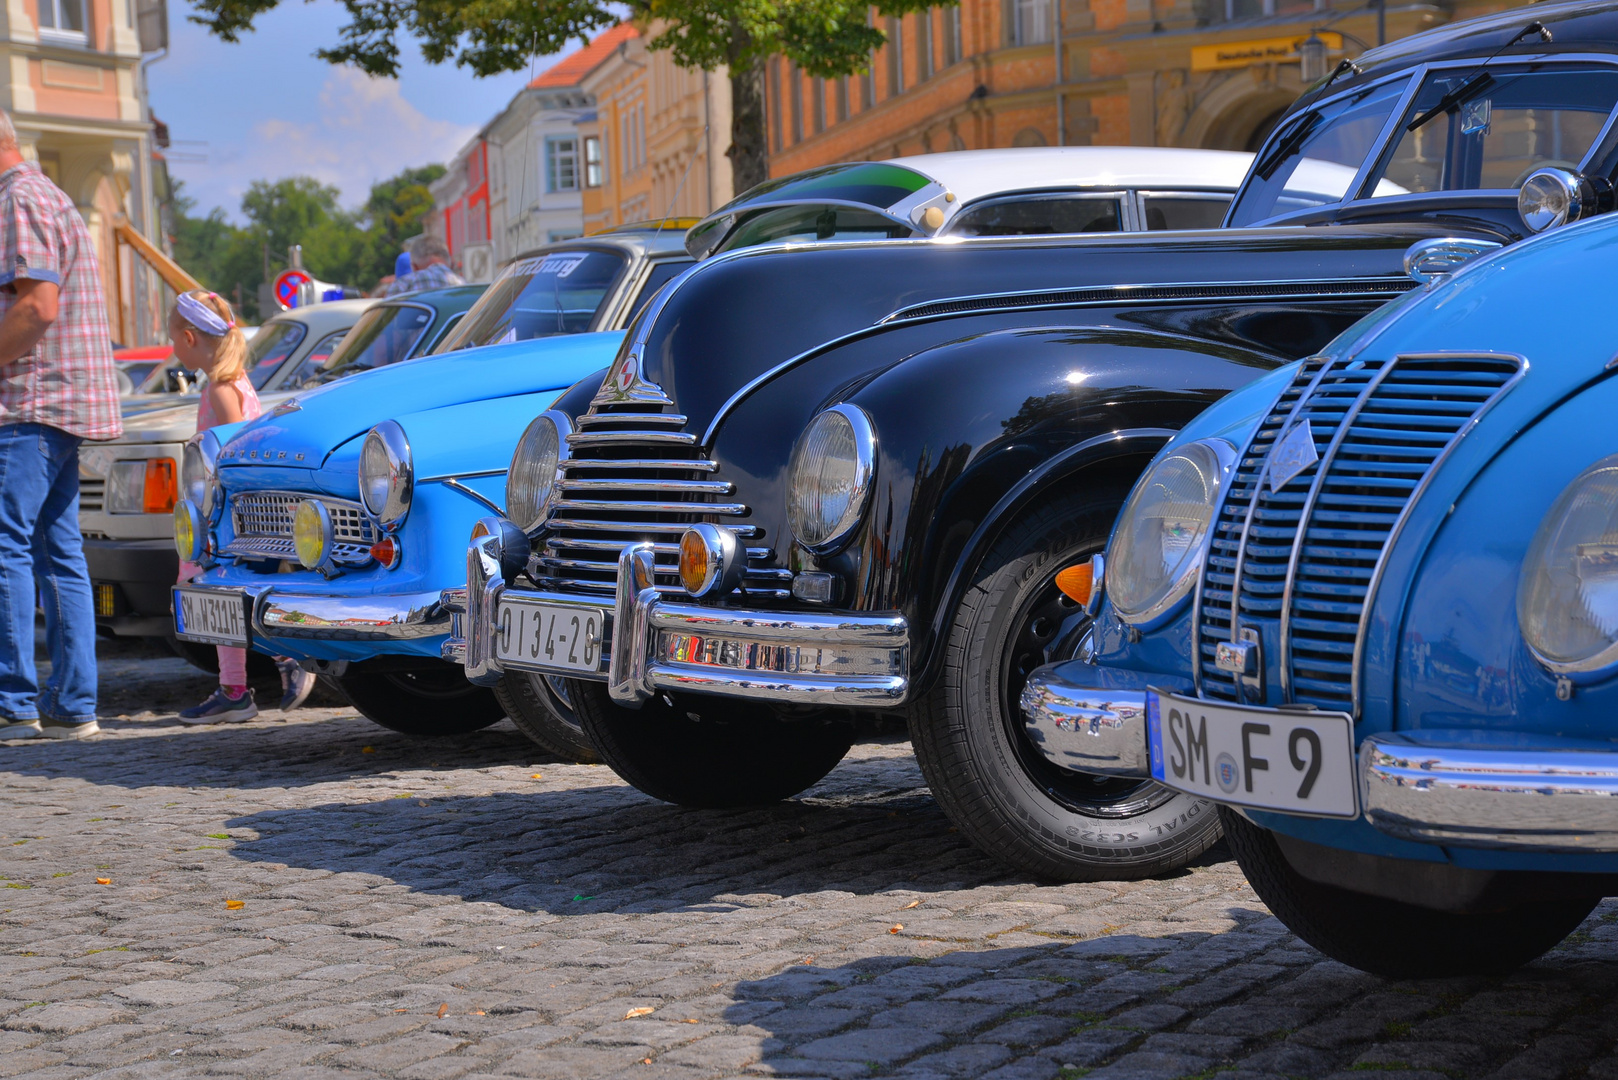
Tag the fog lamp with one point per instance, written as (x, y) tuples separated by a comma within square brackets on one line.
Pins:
[(188, 530), (711, 560), (312, 535)]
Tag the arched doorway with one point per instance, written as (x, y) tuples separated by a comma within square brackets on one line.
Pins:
[(1239, 111)]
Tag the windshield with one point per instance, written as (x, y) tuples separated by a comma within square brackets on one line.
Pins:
[(1314, 158), (274, 342), (868, 183), (1470, 130), (384, 335), (555, 293), (811, 223)]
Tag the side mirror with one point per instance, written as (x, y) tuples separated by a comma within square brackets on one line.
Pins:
[(1440, 257), (1554, 196)]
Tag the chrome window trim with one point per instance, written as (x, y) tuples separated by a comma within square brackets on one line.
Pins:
[(1355, 678), (1224, 452)]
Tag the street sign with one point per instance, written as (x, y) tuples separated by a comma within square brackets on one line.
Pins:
[(288, 285)]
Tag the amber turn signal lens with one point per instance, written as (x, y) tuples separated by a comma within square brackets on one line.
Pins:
[(693, 562), (385, 551), (161, 492), (1076, 582)]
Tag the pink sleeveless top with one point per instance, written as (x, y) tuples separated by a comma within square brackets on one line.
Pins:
[(251, 409)]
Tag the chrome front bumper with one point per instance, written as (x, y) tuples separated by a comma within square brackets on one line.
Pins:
[(305, 617), (1459, 788), (657, 643)]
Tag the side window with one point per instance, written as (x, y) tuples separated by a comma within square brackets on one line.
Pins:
[(662, 273), (317, 357), (1040, 215), (1184, 211), (454, 321)]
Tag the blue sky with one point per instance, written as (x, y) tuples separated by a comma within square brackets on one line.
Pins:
[(266, 108)]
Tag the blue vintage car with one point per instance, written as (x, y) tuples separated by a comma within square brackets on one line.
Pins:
[(1368, 606), (330, 525)]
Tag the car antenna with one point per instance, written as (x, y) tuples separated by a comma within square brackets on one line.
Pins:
[(681, 185), (1479, 78)]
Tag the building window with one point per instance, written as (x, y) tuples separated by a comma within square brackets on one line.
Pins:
[(1033, 22), (924, 45), (1233, 10), (952, 35), (896, 58), (62, 21), (593, 162), (773, 93), (817, 87), (795, 92), (474, 168), (842, 98), (561, 164)]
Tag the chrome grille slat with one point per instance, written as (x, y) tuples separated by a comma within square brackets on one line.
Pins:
[(703, 487), (262, 522), (1304, 563), (631, 438)]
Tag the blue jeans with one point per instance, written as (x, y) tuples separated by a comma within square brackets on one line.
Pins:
[(40, 546)]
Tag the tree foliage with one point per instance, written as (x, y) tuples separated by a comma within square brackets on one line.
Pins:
[(342, 246), (825, 38)]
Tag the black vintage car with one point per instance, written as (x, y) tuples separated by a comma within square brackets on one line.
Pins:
[(847, 478)]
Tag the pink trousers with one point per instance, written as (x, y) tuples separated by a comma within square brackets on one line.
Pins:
[(232, 661)]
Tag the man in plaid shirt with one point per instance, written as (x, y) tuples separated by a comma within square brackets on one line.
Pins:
[(58, 387), (432, 256)]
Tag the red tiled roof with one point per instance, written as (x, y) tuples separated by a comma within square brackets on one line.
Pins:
[(572, 68)]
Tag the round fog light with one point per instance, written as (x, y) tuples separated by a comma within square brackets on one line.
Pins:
[(312, 534), (188, 530), (711, 560)]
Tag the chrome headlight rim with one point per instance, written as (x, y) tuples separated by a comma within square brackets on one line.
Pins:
[(1570, 197), (865, 446), (1165, 607), (327, 531), (540, 513), (1603, 662), (199, 470), (391, 442)]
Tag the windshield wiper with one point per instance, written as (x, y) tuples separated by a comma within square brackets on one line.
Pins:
[(1479, 79), (1265, 167)]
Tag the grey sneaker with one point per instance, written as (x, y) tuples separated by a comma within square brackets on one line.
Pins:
[(219, 709), (52, 728), (19, 729), (296, 684)]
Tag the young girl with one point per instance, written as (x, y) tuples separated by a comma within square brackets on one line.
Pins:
[(207, 339)]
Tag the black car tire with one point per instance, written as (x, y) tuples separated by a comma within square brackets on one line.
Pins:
[(1394, 939), (431, 701), (733, 754), (967, 729), (541, 711)]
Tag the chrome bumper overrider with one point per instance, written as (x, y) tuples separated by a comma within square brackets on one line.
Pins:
[(1458, 788), (657, 643), (393, 617)]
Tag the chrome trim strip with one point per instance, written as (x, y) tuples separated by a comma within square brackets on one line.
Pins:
[(461, 476), (1476, 795), (867, 631), (694, 465), (464, 490), (700, 487), (617, 438), (1322, 467), (386, 617), (625, 506), (1084, 730), (1355, 676)]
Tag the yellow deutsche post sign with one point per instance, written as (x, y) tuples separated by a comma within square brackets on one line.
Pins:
[(1237, 54)]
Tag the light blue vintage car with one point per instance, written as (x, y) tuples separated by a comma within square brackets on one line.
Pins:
[(330, 526), (1407, 716)]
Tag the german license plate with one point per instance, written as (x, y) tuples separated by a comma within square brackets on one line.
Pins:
[(548, 637), (1271, 759), (212, 616)]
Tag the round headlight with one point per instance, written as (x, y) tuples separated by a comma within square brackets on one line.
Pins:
[(312, 535), (386, 474), (198, 470), (831, 473), (1551, 197), (188, 530), (531, 485), (1162, 533), (1567, 597)]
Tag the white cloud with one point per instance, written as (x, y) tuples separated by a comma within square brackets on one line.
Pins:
[(363, 131)]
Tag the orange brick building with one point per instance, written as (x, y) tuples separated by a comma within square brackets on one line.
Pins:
[(1215, 74)]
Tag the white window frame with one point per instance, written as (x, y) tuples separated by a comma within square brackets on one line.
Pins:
[(556, 158), (54, 34)]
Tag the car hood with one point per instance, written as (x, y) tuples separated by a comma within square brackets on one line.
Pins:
[(306, 429)]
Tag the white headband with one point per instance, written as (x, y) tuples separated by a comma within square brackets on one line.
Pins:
[(201, 316)]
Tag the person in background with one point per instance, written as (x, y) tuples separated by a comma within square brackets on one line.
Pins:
[(430, 257), (58, 387), (207, 339)]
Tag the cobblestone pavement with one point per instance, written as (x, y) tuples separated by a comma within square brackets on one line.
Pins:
[(321, 897)]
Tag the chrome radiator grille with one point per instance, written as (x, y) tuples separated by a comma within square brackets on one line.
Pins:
[(633, 474), (262, 521), (1304, 560)]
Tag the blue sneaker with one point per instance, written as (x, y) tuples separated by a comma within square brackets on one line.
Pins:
[(219, 709)]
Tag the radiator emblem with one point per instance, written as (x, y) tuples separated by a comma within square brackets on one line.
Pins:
[(1294, 453)]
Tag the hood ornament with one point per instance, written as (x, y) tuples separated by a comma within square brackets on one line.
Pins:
[(624, 384), (290, 405)]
